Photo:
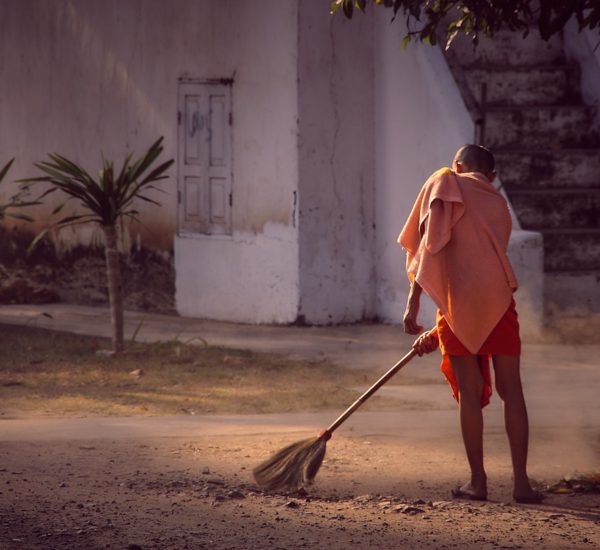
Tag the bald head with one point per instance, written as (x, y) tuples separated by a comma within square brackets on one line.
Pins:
[(475, 158)]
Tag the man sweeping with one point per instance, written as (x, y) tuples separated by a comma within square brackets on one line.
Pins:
[(456, 238)]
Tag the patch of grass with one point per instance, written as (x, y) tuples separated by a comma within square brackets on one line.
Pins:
[(44, 372)]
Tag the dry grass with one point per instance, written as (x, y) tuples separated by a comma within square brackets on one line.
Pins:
[(52, 373)]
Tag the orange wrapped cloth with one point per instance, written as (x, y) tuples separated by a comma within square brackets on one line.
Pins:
[(455, 240), (503, 340)]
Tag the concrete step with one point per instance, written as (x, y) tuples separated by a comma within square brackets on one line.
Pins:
[(549, 85), (547, 169), (546, 145), (571, 250), (507, 48), (536, 127), (556, 208), (575, 293)]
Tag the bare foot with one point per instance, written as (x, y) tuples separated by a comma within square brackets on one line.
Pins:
[(528, 497), (523, 493), (470, 492)]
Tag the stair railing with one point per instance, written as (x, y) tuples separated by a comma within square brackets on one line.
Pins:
[(479, 137)]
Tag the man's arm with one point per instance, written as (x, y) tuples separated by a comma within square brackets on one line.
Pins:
[(428, 341), (412, 309)]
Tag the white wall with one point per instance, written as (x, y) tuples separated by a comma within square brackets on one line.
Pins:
[(334, 131), (249, 278), (526, 254), (81, 77), (336, 171), (252, 276), (90, 76), (420, 122)]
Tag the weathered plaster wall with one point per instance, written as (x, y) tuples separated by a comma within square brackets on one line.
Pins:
[(81, 77), (250, 278), (526, 254), (86, 77), (334, 131), (89, 76), (420, 122), (335, 72), (252, 275)]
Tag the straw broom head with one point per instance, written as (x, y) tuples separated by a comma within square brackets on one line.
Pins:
[(297, 464), (293, 466)]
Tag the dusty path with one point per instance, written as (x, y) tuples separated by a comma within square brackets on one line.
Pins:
[(185, 482), (196, 491)]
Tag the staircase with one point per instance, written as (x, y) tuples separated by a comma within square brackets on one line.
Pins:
[(526, 95)]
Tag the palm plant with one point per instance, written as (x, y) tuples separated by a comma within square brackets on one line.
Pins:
[(15, 201), (105, 201)]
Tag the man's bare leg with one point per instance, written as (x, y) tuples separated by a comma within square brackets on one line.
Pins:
[(510, 390), (470, 387)]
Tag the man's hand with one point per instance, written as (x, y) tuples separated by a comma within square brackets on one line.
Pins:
[(412, 310), (426, 343), (410, 319)]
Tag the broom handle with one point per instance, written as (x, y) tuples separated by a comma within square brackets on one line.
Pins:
[(371, 390)]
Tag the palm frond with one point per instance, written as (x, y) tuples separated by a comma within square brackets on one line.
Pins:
[(146, 160), (124, 170), (36, 240), (16, 216), (155, 175), (157, 172), (6, 168), (18, 200), (148, 199), (75, 183), (109, 196), (70, 220), (59, 207)]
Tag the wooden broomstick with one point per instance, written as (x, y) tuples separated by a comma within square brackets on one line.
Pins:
[(297, 464)]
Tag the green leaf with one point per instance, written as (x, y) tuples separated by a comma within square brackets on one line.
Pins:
[(414, 8), (108, 198), (348, 7), (334, 6), (36, 240), (6, 168), (406, 41), (17, 216), (70, 219), (147, 199), (156, 173), (58, 208), (450, 39)]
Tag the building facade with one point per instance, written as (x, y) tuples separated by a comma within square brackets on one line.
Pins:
[(301, 141)]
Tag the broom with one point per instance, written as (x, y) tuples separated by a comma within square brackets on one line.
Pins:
[(297, 464)]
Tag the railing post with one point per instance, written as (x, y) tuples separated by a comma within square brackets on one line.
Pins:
[(479, 137)]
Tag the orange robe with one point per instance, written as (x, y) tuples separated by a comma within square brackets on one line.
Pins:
[(503, 340), (456, 238)]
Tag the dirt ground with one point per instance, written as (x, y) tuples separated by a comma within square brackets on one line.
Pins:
[(198, 492), (385, 482)]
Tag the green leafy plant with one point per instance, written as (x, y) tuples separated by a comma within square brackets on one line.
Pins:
[(16, 201), (474, 18), (105, 201)]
